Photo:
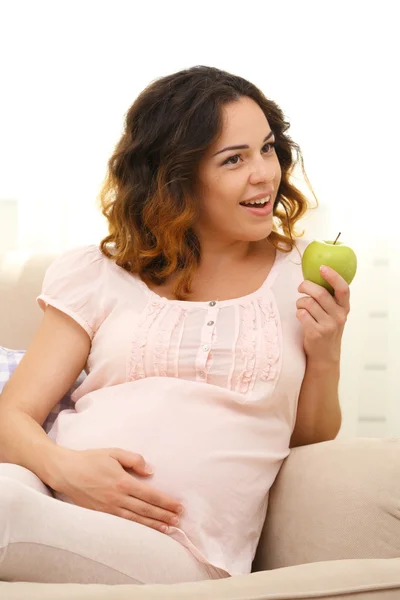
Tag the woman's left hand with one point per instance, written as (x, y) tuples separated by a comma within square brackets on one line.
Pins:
[(323, 317)]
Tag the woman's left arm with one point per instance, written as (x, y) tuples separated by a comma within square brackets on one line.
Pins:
[(323, 318)]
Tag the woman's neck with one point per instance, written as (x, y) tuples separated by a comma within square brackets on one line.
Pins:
[(216, 255)]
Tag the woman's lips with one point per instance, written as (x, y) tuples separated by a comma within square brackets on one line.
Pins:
[(260, 211)]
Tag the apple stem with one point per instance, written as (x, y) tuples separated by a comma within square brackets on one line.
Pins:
[(337, 238)]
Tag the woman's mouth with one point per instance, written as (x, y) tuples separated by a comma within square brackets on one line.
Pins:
[(261, 207)]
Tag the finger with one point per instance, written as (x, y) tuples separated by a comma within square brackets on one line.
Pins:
[(149, 511), (148, 494), (340, 286), (152, 523), (305, 318), (131, 460), (320, 294), (314, 309)]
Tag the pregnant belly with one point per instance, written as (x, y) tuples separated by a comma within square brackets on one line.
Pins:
[(208, 448)]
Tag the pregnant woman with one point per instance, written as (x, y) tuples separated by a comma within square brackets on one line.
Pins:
[(207, 355)]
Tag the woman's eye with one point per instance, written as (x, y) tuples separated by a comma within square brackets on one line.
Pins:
[(228, 160), (232, 158), (271, 144)]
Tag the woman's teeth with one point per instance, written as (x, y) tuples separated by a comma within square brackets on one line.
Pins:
[(257, 202)]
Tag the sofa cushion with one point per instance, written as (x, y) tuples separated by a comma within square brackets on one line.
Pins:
[(376, 579)]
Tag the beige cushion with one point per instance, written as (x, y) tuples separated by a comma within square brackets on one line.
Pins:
[(21, 276), (332, 501), (347, 580)]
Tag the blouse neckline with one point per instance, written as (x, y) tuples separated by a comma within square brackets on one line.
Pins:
[(279, 258)]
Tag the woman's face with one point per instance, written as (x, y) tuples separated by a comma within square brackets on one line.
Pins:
[(229, 178)]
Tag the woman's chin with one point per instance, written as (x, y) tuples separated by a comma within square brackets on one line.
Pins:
[(250, 233), (255, 234)]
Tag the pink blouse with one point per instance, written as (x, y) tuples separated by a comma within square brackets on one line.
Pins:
[(206, 391)]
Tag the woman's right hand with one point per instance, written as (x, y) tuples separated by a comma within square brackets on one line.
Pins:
[(97, 479)]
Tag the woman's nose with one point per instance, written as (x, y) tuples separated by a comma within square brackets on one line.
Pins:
[(262, 173)]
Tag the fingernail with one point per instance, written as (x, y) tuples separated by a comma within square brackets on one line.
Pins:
[(148, 469), (323, 269), (164, 528), (180, 510), (174, 521)]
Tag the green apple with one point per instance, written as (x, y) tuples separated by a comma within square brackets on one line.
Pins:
[(335, 254)]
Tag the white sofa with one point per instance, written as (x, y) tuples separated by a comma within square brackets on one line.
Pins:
[(333, 524)]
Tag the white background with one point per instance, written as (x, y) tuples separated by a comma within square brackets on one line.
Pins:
[(71, 69)]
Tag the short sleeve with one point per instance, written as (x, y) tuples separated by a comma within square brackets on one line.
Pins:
[(74, 283)]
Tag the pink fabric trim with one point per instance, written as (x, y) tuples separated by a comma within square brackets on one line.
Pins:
[(163, 340), (270, 327), (136, 368), (181, 325), (235, 343), (43, 300), (247, 342)]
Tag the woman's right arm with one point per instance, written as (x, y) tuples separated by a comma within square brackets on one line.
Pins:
[(55, 358), (95, 479)]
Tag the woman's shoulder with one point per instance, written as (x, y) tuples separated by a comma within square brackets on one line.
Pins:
[(86, 284), (290, 264), (82, 264), (86, 261), (293, 255), (87, 266), (80, 255)]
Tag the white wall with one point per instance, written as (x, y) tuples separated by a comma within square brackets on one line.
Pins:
[(73, 68)]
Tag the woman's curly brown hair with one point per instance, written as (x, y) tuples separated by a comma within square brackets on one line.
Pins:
[(148, 194)]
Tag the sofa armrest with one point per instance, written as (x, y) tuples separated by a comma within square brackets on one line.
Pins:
[(335, 500)]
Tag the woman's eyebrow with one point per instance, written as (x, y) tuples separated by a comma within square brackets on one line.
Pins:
[(243, 146)]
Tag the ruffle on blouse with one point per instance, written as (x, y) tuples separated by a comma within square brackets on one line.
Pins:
[(136, 368), (247, 347), (166, 325), (271, 330), (165, 329), (265, 362)]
